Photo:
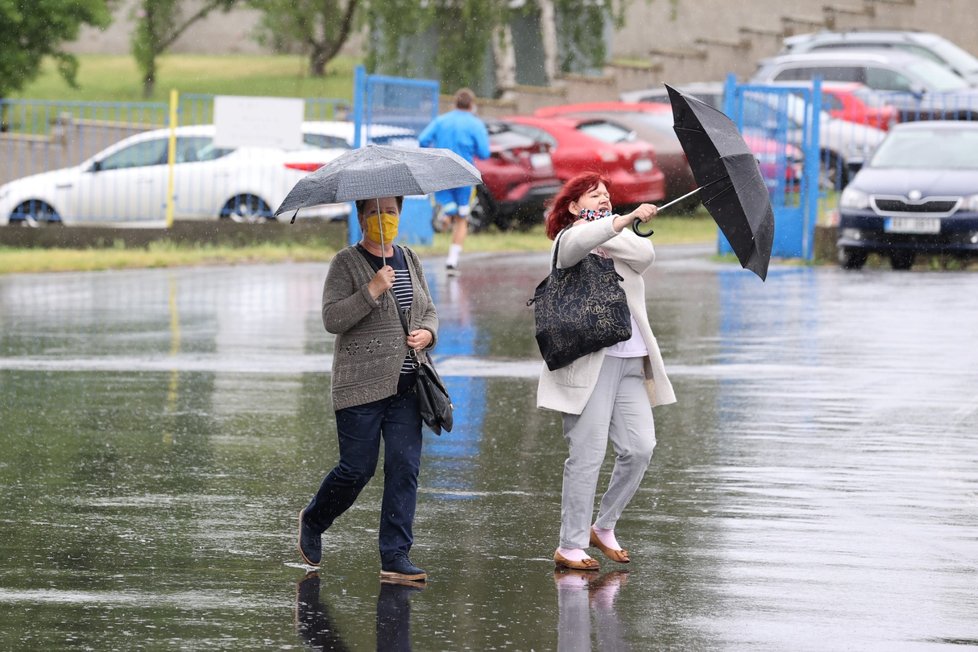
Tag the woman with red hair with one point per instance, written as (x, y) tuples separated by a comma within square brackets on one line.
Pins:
[(608, 394)]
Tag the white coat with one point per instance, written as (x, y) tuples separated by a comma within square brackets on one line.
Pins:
[(568, 389)]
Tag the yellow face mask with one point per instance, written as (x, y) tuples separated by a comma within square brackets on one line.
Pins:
[(389, 222)]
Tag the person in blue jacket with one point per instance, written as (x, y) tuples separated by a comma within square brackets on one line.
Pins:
[(465, 134)]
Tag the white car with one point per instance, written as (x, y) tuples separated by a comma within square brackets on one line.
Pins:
[(126, 184)]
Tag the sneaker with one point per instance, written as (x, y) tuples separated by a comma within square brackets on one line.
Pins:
[(452, 270), (401, 568), (310, 543)]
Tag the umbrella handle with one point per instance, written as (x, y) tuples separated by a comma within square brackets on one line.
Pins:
[(659, 209)]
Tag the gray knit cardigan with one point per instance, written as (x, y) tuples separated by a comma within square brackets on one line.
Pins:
[(370, 341)]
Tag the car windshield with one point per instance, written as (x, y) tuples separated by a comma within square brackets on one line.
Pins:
[(948, 149), (936, 77)]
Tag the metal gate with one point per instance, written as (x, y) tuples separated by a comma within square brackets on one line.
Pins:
[(781, 126), (386, 110)]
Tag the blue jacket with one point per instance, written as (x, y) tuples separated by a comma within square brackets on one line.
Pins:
[(459, 131)]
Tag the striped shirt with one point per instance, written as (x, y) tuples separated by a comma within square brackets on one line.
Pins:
[(402, 289)]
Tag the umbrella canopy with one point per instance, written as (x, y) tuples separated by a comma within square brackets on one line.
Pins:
[(730, 182), (376, 171)]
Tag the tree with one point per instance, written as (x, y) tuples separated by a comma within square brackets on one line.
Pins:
[(33, 29), (158, 24), (318, 27)]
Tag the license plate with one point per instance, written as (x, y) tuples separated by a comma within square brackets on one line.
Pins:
[(643, 165), (912, 225), (540, 160)]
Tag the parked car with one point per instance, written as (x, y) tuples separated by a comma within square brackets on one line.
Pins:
[(517, 180), (709, 91), (653, 122), (855, 102), (582, 144), (841, 143), (917, 88), (918, 194), (126, 183), (925, 44)]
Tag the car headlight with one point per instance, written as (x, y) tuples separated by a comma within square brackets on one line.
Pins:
[(971, 203), (852, 198)]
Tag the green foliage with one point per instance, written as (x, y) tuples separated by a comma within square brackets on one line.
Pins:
[(158, 24), (318, 28), (460, 33), (33, 29)]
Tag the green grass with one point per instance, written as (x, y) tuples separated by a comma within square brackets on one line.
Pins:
[(674, 230), (114, 78)]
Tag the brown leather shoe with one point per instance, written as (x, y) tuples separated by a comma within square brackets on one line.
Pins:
[(588, 563), (620, 556)]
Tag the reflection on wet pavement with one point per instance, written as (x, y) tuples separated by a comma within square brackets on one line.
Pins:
[(814, 489)]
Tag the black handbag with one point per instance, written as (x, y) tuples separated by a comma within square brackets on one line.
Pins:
[(434, 402), (579, 310)]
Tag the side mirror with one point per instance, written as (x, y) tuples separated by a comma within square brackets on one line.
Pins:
[(852, 167), (96, 166)]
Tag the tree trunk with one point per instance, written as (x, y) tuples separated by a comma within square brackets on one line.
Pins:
[(505, 58), (318, 59), (149, 82), (548, 33)]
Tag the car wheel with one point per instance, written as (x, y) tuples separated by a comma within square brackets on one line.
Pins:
[(34, 213), (902, 260), (483, 212), (852, 258), (246, 209)]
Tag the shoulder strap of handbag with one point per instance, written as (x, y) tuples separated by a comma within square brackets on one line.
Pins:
[(553, 261)]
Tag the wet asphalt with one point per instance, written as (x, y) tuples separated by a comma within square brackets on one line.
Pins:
[(815, 487)]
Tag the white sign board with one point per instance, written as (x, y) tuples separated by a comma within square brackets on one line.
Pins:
[(258, 121)]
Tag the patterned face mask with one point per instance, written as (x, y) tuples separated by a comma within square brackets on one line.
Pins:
[(591, 214)]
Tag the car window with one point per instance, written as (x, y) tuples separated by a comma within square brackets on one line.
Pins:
[(606, 132), (535, 133), (938, 78), (324, 141), (928, 149), (884, 79), (142, 154), (193, 149)]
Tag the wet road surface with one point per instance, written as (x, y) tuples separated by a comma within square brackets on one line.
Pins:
[(815, 488)]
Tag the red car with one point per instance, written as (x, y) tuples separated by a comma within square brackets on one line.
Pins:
[(854, 102), (517, 180), (579, 144), (653, 122)]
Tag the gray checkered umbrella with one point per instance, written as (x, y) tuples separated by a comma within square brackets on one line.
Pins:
[(376, 171)]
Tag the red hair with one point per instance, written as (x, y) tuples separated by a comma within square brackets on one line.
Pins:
[(558, 213)]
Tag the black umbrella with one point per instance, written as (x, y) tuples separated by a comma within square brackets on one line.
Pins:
[(730, 182)]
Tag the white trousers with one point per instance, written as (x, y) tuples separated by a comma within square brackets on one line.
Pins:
[(618, 409)]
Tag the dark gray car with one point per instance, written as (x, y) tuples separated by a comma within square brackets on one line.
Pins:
[(918, 193)]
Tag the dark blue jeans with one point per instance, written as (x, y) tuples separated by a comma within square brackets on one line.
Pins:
[(359, 430)]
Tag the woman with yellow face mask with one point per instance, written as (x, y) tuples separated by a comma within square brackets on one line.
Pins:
[(373, 383)]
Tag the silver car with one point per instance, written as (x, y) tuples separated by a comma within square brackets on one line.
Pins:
[(923, 44)]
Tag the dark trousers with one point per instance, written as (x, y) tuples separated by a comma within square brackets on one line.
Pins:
[(359, 430)]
